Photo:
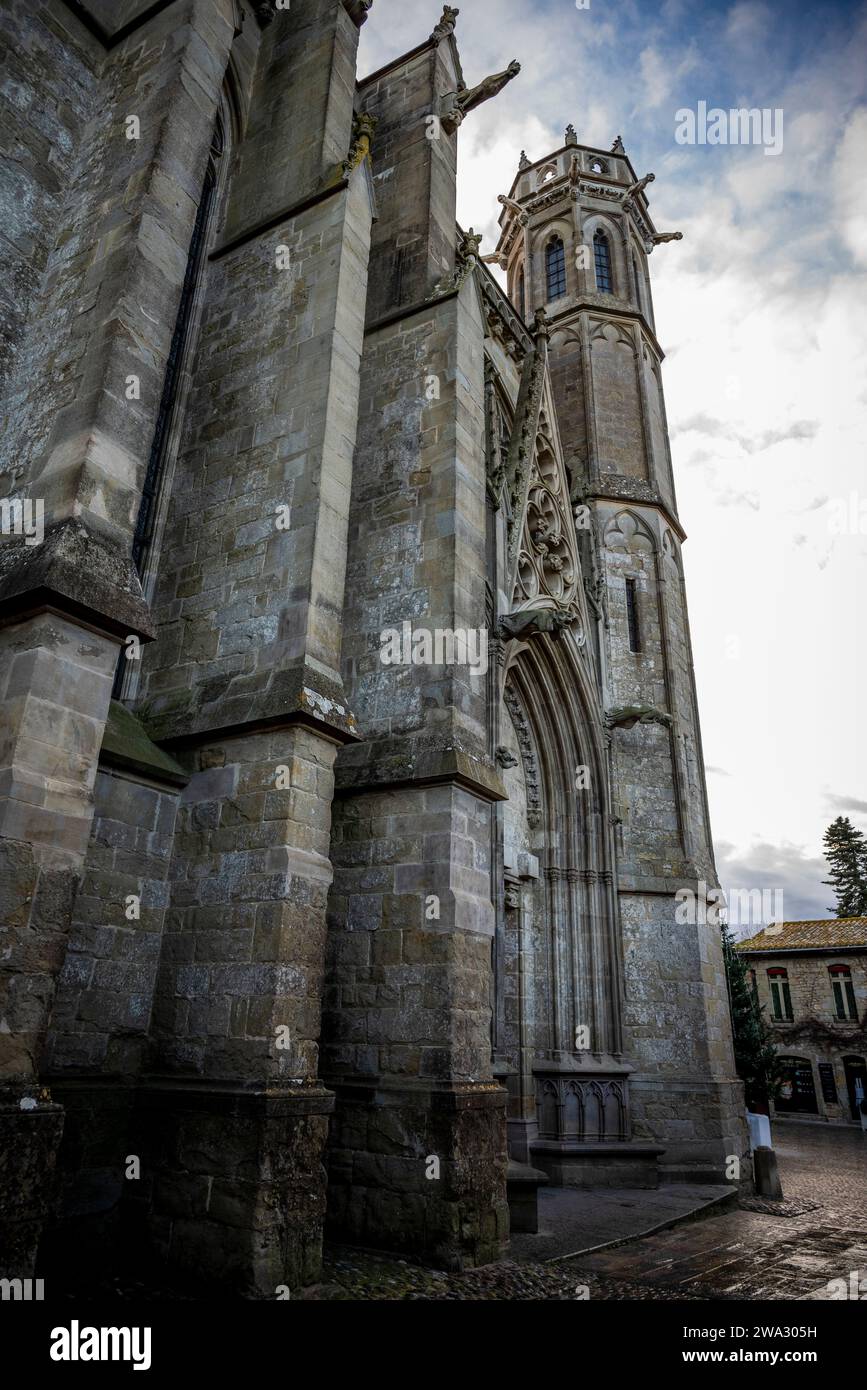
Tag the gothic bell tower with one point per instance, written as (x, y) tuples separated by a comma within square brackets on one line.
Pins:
[(576, 237)]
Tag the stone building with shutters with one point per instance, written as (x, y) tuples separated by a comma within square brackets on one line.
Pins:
[(351, 756), (811, 980)]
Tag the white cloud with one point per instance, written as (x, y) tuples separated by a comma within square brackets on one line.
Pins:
[(850, 185)]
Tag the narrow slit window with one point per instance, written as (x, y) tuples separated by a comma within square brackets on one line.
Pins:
[(522, 297), (632, 616), (555, 268), (602, 260), (638, 298)]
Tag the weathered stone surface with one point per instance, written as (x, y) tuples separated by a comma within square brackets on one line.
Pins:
[(278, 413)]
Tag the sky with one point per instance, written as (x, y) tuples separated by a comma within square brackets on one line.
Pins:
[(761, 310)]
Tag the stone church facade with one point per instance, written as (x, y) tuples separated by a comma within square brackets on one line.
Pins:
[(350, 749)]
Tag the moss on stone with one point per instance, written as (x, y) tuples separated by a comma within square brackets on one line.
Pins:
[(125, 744)]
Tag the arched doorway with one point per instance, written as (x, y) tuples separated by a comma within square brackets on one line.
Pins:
[(559, 1030)]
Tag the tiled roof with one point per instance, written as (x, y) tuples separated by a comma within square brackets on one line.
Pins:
[(835, 933)]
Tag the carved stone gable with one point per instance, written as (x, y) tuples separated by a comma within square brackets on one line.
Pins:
[(548, 571)]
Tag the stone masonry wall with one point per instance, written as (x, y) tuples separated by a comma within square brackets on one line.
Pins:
[(244, 935), (102, 1011), (48, 95)]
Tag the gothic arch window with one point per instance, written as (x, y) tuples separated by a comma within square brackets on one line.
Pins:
[(602, 262), (555, 268), (598, 166), (845, 1007)]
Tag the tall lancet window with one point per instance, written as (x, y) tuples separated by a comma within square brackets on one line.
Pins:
[(602, 260), (144, 530), (555, 268), (522, 294), (164, 437)]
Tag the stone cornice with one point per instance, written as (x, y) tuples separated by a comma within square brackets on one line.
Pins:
[(607, 306), (636, 491), (389, 763), (408, 310), (78, 573), (276, 219), (296, 695), (106, 38)]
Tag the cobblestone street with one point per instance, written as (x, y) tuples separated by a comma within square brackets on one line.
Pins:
[(738, 1254)]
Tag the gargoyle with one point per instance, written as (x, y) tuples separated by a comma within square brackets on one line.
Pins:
[(455, 105), (658, 237), (626, 716), (541, 327), (466, 259), (639, 186), (362, 132), (522, 216), (446, 25), (495, 258), (505, 757), (531, 621)]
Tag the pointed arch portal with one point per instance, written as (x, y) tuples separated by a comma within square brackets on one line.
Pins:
[(558, 1029)]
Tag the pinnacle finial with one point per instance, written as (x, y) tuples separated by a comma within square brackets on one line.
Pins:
[(571, 134), (523, 162), (617, 147)]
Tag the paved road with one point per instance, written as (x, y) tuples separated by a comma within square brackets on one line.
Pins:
[(736, 1255), (746, 1255)]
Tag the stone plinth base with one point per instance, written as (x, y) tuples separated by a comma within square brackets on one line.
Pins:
[(81, 1240), (29, 1141), (597, 1165), (522, 1189), (420, 1168), (233, 1183)]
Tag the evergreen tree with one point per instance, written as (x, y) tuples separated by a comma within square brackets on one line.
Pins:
[(846, 853), (755, 1056)]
